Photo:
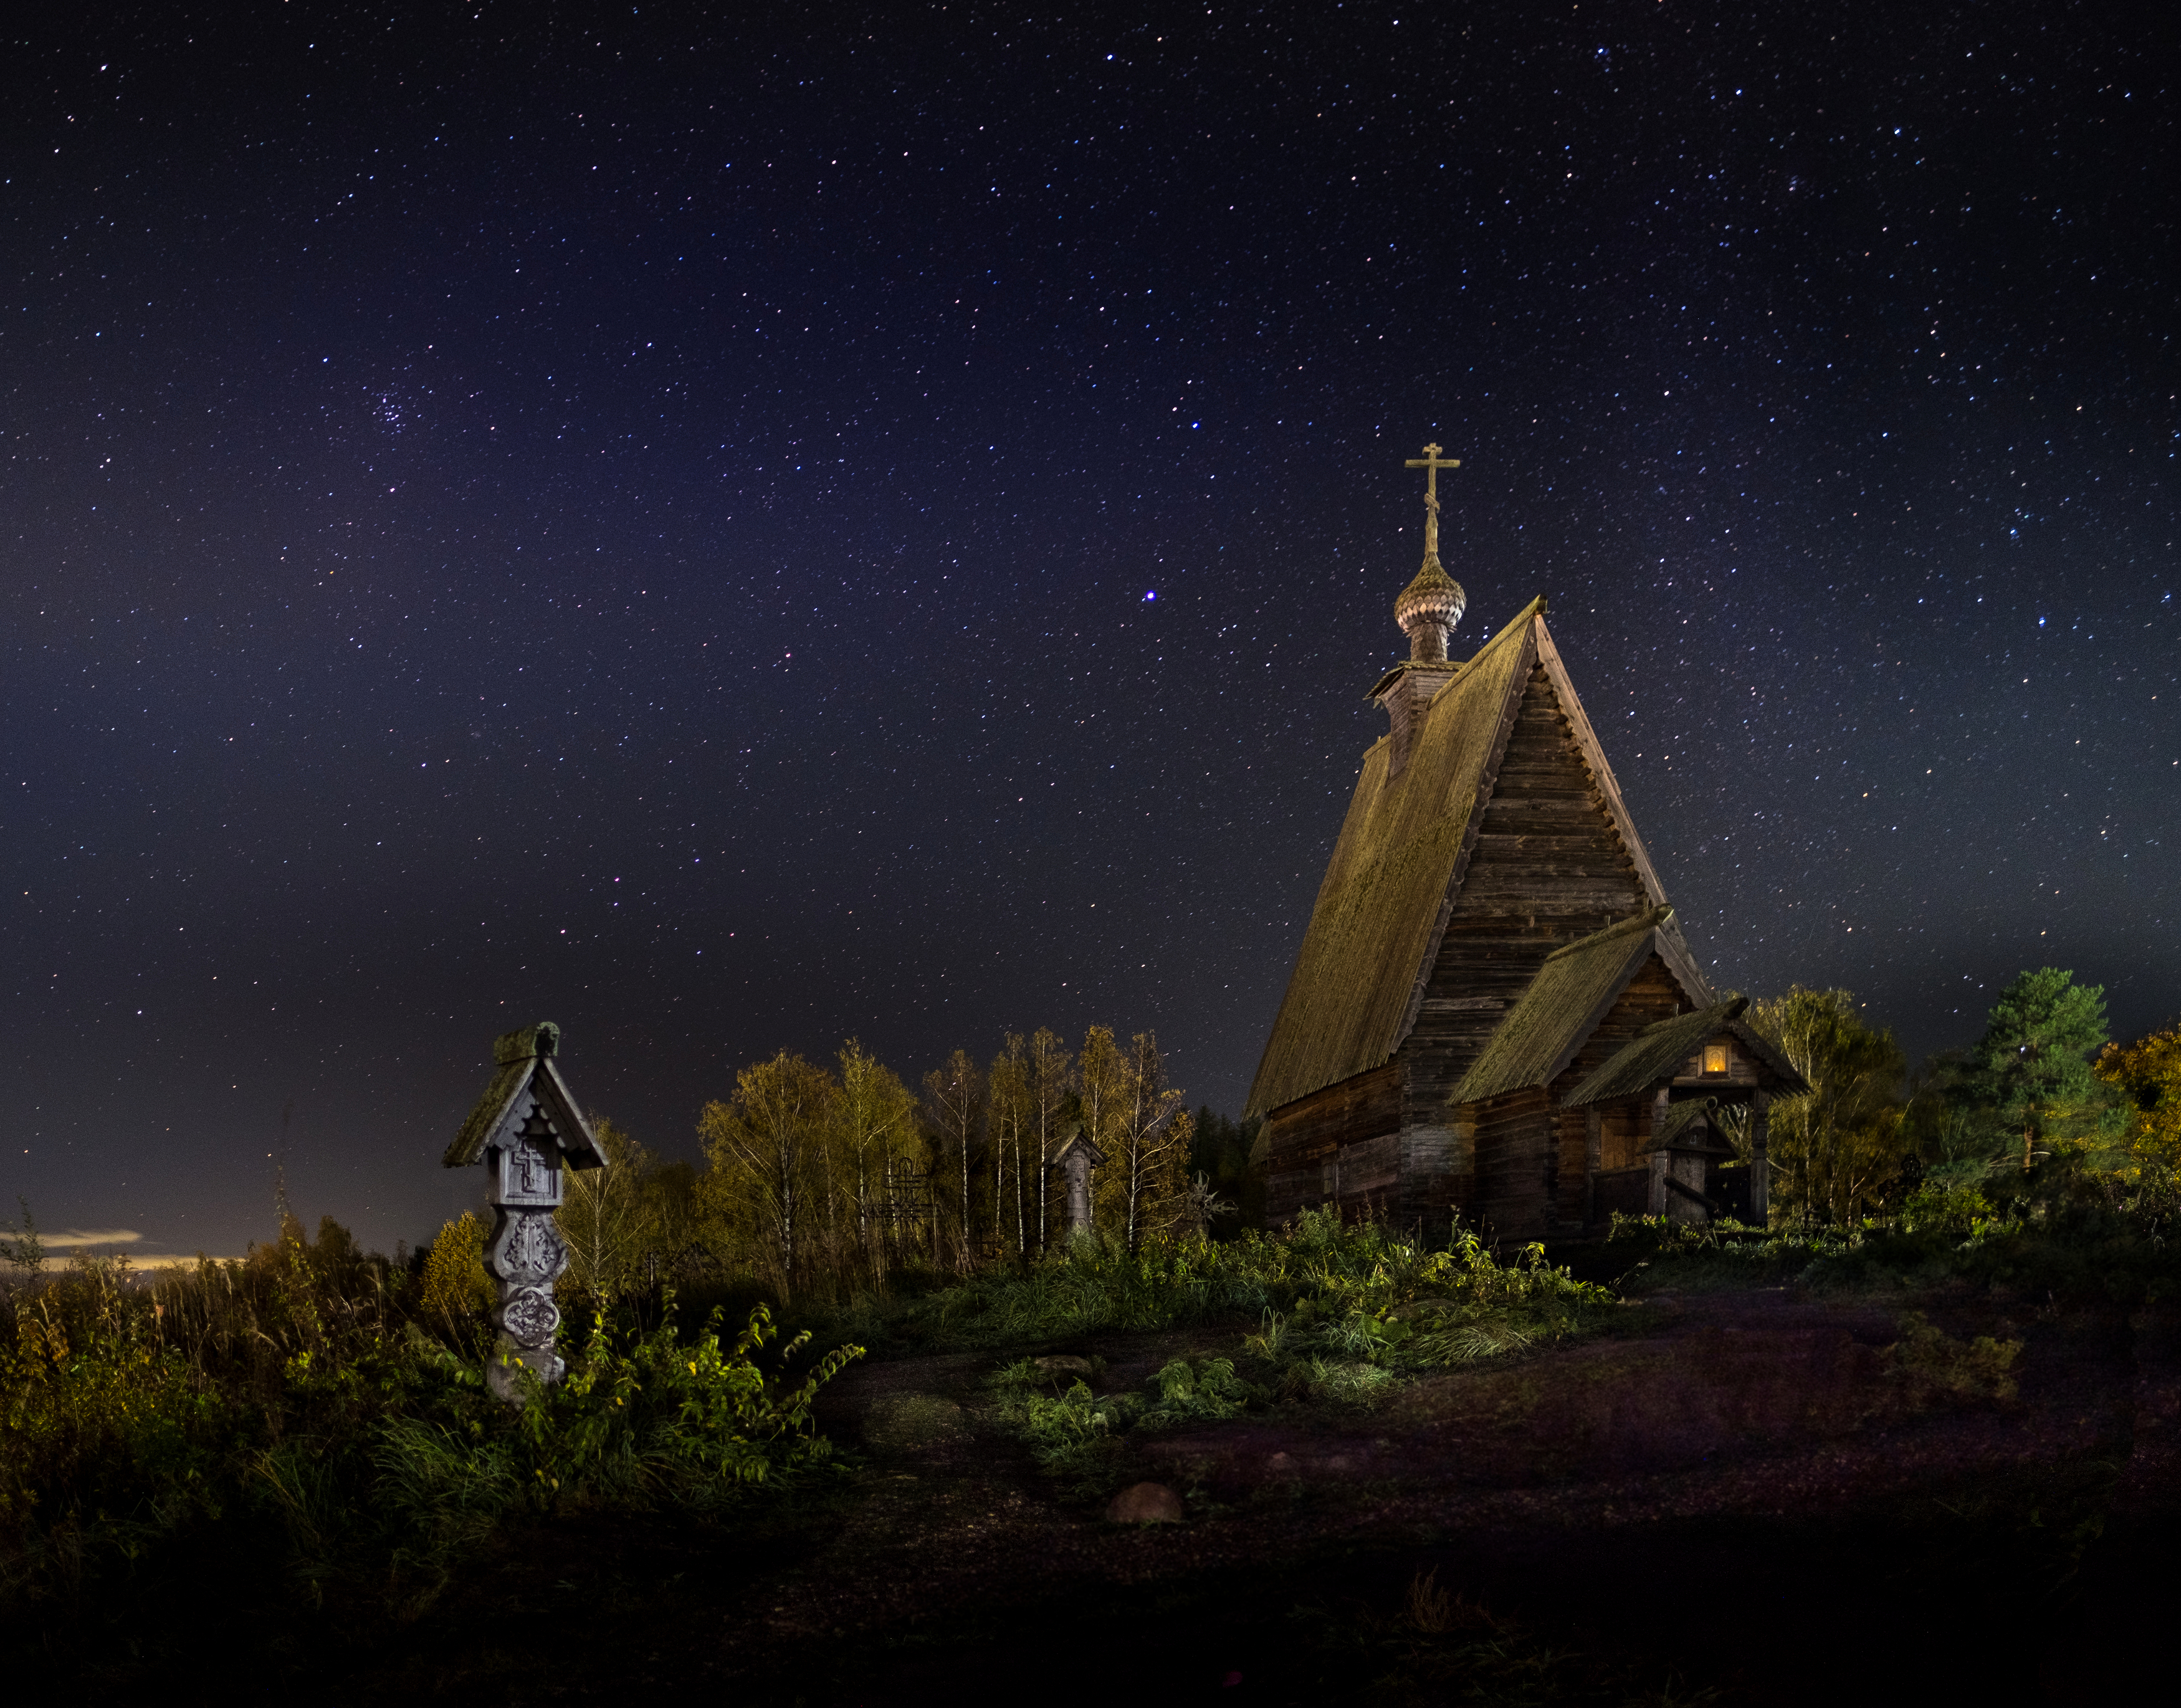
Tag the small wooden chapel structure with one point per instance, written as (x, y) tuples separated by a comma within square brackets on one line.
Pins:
[(1494, 1016)]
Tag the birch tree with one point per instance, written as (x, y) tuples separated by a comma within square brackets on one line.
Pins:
[(954, 1106), (1051, 1076), (764, 1147), (1009, 1103), (1147, 1155), (604, 1217), (1835, 1144), (874, 1129)]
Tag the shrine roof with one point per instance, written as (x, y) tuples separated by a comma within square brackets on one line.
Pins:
[(524, 1070), (1680, 1117), (1655, 1056), (1571, 994)]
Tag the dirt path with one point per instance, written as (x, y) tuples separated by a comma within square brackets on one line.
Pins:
[(1731, 1414)]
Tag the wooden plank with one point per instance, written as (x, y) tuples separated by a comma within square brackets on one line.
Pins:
[(1517, 686), (1595, 756)]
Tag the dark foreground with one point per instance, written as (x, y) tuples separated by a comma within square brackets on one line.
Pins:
[(1742, 1495)]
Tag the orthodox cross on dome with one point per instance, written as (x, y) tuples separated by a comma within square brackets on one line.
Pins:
[(1431, 605), (1430, 461)]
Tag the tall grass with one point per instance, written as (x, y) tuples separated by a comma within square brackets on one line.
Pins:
[(309, 1391), (1358, 1290), (2070, 1231)]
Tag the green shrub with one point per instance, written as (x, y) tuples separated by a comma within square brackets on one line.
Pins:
[(311, 1389), (1935, 1366)]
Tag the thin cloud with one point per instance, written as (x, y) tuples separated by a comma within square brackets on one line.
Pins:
[(89, 1236)]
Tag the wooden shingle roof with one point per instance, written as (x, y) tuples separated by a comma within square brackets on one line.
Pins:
[(525, 1077), (1571, 995), (1359, 980), (1654, 1055)]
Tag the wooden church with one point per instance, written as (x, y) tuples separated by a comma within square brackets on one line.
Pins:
[(1494, 1017)]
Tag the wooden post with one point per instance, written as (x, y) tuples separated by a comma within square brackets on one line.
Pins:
[(1760, 1163), (1593, 1156), (1658, 1157)]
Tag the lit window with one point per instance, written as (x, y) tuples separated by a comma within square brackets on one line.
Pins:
[(1715, 1059)]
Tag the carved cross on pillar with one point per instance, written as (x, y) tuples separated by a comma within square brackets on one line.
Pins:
[(1760, 1160)]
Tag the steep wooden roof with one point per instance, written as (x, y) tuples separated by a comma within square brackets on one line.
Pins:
[(1571, 994), (1398, 864), (524, 1078)]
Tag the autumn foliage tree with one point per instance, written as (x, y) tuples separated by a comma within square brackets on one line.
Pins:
[(1146, 1182), (826, 1181), (1834, 1146), (764, 1145), (2148, 1073)]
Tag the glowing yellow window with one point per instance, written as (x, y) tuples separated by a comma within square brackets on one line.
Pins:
[(1715, 1059)]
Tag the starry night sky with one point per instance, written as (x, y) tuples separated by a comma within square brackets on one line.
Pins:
[(731, 536)]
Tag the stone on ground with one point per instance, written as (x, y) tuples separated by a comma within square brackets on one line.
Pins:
[(1145, 1503), (903, 1423)]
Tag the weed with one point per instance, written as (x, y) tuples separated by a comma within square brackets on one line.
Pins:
[(308, 1388), (1934, 1366)]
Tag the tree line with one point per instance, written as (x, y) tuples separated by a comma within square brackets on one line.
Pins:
[(824, 1181), (832, 1179), (2045, 1080)]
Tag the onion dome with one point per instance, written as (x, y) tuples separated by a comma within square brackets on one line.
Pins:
[(1427, 609)]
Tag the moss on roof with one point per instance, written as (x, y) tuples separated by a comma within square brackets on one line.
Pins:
[(1378, 915), (1655, 1055), (1571, 995), (523, 1068)]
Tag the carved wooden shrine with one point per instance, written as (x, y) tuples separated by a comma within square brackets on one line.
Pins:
[(1074, 1162), (525, 1129)]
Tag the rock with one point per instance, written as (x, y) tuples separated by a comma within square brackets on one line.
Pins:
[(1280, 1465), (1063, 1364), (904, 1423), (1145, 1503)]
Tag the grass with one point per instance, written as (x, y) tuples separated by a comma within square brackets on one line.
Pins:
[(1328, 1312), (1350, 1290), (2069, 1233), (309, 1397)]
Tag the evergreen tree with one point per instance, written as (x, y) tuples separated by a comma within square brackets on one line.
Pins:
[(1219, 1150), (2032, 1064)]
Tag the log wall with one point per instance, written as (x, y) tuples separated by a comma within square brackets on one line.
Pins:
[(1302, 1137)]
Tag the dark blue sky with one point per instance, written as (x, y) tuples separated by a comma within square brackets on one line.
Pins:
[(652, 521)]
